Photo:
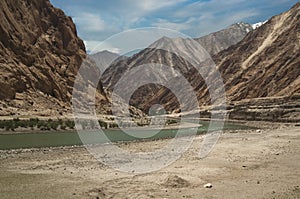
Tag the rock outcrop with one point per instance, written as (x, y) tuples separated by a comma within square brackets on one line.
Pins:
[(39, 49), (40, 54)]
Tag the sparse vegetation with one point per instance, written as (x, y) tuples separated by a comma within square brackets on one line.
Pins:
[(102, 124), (50, 124), (35, 123), (171, 121), (113, 125)]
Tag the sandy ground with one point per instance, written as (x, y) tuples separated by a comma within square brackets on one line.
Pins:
[(244, 164)]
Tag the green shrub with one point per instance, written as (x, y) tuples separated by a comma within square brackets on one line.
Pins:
[(114, 125), (54, 125), (41, 124), (70, 124), (102, 124), (63, 127)]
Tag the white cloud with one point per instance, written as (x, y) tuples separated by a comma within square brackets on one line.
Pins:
[(132, 12), (239, 16), (90, 22), (153, 5), (200, 8), (98, 20), (211, 16), (163, 23)]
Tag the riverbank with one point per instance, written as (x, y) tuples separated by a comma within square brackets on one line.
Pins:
[(244, 164)]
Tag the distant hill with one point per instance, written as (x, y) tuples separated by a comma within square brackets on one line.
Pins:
[(104, 59), (213, 43), (223, 39)]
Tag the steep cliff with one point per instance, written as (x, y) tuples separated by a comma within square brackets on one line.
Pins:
[(40, 54)]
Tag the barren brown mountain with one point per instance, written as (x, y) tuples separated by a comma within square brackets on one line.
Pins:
[(264, 64), (212, 43), (40, 54)]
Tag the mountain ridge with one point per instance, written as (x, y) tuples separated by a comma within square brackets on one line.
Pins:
[(40, 54), (263, 64), (212, 43)]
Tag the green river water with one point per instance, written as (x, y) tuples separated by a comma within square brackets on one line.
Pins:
[(70, 138)]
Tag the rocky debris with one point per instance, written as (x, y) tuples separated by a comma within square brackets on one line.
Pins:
[(175, 181), (276, 109), (97, 193), (208, 185), (34, 104)]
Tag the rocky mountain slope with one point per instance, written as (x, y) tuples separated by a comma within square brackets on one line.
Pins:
[(40, 54), (212, 43), (223, 39), (264, 64)]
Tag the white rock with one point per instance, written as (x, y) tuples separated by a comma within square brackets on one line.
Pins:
[(208, 185)]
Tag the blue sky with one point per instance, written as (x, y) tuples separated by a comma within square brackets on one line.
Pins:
[(96, 20)]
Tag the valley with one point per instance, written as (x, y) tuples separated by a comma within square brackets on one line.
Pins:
[(233, 93)]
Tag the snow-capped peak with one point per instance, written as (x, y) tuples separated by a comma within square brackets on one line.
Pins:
[(259, 24)]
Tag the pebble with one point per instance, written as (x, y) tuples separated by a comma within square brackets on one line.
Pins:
[(208, 185)]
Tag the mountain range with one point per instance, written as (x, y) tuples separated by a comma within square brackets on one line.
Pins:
[(212, 43), (264, 64), (41, 53)]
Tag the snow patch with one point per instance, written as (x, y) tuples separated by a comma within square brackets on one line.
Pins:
[(259, 24)]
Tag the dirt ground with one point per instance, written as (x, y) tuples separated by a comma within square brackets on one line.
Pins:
[(244, 164)]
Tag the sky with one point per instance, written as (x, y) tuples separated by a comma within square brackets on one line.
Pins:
[(97, 20)]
